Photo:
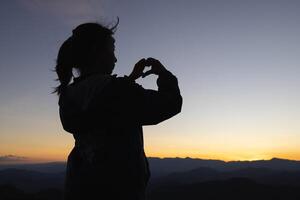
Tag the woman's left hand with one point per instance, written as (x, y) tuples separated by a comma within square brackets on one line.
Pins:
[(138, 69)]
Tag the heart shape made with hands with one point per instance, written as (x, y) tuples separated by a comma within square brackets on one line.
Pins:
[(138, 70), (156, 67)]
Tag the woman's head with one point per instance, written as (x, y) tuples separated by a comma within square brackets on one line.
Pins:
[(90, 49)]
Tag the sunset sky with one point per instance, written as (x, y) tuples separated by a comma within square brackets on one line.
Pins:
[(237, 63)]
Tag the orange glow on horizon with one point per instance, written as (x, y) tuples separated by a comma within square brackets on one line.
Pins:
[(228, 158), (62, 156)]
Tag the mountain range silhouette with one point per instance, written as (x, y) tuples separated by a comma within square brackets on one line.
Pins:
[(172, 178)]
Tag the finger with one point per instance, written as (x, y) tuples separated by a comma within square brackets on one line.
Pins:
[(147, 73), (140, 64), (141, 61), (151, 60)]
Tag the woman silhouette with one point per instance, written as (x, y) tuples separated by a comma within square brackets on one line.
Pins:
[(105, 114)]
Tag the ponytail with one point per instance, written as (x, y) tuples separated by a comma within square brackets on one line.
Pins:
[(64, 65)]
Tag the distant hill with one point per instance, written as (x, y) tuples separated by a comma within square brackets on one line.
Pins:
[(184, 170), (163, 166), (49, 167), (174, 171), (172, 178), (202, 174), (28, 180)]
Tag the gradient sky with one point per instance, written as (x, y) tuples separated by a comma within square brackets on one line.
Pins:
[(237, 62)]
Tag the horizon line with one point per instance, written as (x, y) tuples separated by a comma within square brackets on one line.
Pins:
[(23, 162)]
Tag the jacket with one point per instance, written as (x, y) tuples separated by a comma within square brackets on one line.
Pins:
[(105, 114)]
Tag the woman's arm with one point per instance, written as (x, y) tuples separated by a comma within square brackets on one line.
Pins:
[(149, 106), (126, 102), (152, 107)]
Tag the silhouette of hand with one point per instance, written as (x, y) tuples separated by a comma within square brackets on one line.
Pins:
[(156, 67), (138, 69)]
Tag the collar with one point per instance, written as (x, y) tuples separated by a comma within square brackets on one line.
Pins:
[(80, 78)]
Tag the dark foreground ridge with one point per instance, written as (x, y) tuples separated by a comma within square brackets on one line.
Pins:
[(236, 188)]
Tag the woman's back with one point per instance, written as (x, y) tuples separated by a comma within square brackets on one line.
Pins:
[(108, 144)]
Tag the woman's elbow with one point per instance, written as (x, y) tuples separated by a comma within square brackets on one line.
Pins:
[(177, 106)]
